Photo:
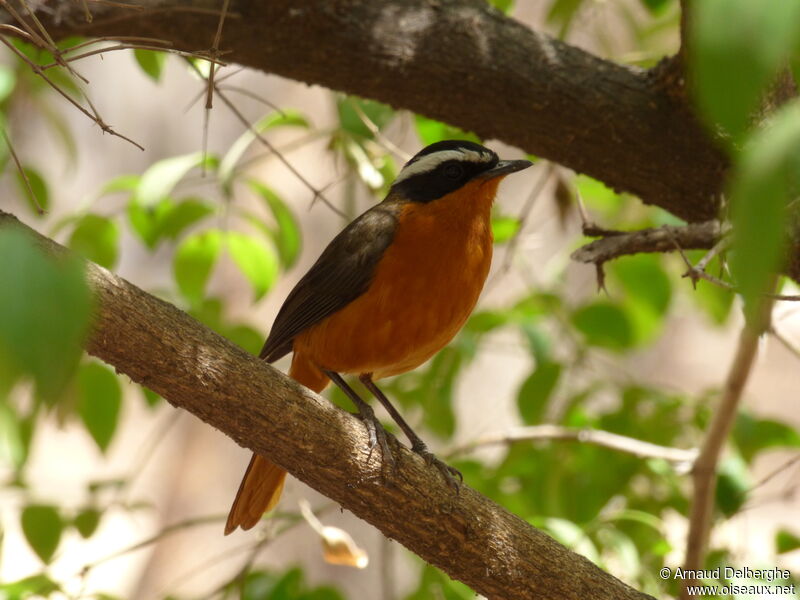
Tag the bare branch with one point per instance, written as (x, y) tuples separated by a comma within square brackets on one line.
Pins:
[(660, 239), (23, 174), (596, 437), (704, 472)]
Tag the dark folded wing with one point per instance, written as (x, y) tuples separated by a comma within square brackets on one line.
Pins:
[(341, 274)]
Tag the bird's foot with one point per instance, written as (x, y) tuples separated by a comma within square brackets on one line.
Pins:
[(377, 434), (449, 473)]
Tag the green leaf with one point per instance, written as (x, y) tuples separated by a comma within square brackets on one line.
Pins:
[(767, 173), (786, 541), (246, 337), (147, 221), (121, 183), (562, 13), (504, 228), (656, 7), (648, 291), (41, 194), (430, 131), (165, 219), (86, 521), (97, 239), (733, 484), (99, 402), (158, 181), (13, 449), (503, 6), (435, 584), (643, 278), (35, 586), (287, 233), (150, 397), (8, 81), (182, 215), (42, 526), (736, 49), (604, 324), (255, 260), (536, 391), (193, 262), (151, 62), (44, 313), (286, 118), (598, 196), (755, 435), (569, 534), (351, 122)]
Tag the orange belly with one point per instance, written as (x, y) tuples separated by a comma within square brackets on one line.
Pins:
[(424, 289)]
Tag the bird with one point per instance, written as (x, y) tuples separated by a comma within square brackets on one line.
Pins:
[(386, 294)]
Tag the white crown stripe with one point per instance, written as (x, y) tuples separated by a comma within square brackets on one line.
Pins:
[(429, 162)]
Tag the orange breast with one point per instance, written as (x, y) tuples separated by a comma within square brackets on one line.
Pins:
[(425, 287)]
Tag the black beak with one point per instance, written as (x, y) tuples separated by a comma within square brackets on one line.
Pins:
[(504, 167)]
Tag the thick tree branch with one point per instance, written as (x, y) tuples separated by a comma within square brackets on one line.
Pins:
[(467, 535), (462, 62)]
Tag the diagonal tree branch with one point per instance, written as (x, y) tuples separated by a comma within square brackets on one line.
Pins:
[(467, 535), (459, 61)]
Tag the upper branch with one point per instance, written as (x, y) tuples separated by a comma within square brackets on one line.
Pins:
[(462, 62), (465, 534)]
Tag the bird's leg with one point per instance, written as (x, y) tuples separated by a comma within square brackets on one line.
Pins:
[(417, 445), (377, 434)]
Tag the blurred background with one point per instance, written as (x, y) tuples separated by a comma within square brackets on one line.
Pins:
[(109, 492)]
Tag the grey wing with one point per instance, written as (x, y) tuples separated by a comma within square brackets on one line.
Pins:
[(341, 274)]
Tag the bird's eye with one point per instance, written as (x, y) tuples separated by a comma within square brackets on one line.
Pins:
[(453, 171)]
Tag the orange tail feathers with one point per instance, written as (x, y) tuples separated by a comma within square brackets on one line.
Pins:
[(259, 492), (263, 480)]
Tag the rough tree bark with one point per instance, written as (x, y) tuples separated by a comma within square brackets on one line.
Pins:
[(462, 62), (467, 535)]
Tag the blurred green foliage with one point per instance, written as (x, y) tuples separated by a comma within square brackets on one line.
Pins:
[(612, 507)]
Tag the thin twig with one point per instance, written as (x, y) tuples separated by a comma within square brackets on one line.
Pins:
[(51, 44), (318, 193), (524, 214), (213, 52), (96, 118), (774, 473), (785, 341), (130, 47), (250, 94), (23, 174), (695, 273), (164, 532), (596, 437), (32, 33), (379, 136), (86, 12), (705, 467)]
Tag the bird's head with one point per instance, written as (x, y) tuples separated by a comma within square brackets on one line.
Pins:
[(444, 167)]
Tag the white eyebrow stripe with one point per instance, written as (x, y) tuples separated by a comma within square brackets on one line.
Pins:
[(429, 162)]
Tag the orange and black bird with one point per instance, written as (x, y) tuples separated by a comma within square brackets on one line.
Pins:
[(391, 290)]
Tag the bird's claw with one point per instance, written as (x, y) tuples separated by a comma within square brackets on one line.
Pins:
[(377, 434), (449, 473)]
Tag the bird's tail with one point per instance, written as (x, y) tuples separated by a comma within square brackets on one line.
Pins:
[(263, 480)]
